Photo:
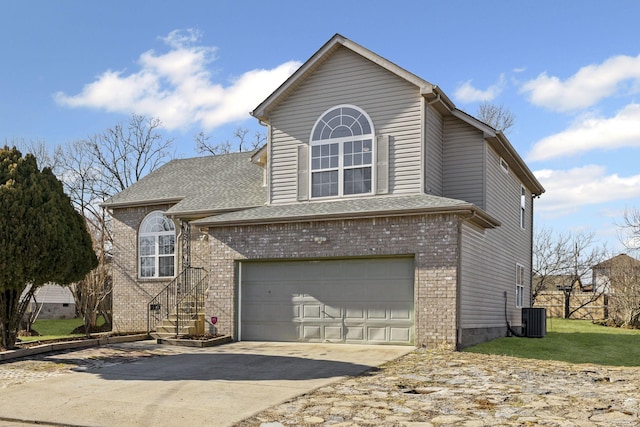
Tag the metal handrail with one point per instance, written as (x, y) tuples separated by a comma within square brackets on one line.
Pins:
[(192, 301), (168, 301)]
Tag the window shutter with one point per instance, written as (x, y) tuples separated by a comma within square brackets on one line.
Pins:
[(303, 172), (382, 164)]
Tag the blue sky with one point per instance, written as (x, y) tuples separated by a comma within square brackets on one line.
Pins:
[(568, 70)]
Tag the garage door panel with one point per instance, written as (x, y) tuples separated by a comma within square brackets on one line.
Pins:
[(377, 313), (268, 312), (389, 270), (400, 334), (267, 332), (312, 311), (355, 334), (354, 313), (377, 334), (331, 312), (311, 332), (401, 313), (333, 333), (363, 300)]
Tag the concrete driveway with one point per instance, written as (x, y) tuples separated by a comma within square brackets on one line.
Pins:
[(215, 386)]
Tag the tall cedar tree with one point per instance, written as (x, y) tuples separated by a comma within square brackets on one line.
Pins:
[(42, 237)]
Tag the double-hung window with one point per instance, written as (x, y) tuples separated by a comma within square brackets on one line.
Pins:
[(342, 153), (523, 207), (519, 285), (157, 246)]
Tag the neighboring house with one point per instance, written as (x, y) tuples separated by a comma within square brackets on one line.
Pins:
[(559, 282), (53, 302), (620, 268), (377, 212)]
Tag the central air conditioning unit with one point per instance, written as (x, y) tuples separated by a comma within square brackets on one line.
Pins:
[(534, 322)]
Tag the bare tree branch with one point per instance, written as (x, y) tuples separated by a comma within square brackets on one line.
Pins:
[(128, 153), (496, 116), (94, 170), (204, 145), (564, 261), (630, 227), (38, 148)]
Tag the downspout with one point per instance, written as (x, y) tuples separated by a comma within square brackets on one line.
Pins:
[(533, 197)]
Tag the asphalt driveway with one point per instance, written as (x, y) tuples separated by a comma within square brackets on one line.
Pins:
[(216, 386)]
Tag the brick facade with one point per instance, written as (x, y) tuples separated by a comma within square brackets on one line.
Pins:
[(431, 240), (131, 294)]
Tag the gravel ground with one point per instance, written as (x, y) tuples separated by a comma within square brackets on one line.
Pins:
[(428, 388)]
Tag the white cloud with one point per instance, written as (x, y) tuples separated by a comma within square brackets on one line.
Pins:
[(177, 87), (591, 133), (586, 87), (466, 93), (569, 190)]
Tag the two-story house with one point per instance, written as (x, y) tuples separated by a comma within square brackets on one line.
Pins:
[(377, 212)]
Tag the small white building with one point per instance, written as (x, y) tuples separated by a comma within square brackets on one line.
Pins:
[(57, 302)]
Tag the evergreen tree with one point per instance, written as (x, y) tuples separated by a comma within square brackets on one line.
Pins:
[(42, 237)]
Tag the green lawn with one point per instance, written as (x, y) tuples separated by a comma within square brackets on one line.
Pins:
[(574, 341), (55, 329)]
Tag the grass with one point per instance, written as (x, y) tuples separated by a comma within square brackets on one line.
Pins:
[(573, 341), (55, 329)]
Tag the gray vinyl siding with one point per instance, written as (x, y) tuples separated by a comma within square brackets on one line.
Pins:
[(434, 152), (488, 262), (464, 167), (393, 104), (481, 295)]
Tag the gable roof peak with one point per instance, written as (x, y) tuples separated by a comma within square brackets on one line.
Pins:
[(335, 42)]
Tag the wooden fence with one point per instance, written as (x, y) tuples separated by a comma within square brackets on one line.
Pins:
[(553, 301)]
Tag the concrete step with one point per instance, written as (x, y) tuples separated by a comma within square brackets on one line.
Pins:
[(189, 325), (168, 330)]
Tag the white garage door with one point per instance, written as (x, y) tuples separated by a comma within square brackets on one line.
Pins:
[(365, 301)]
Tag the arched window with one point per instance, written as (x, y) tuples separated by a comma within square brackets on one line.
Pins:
[(157, 246), (342, 153)]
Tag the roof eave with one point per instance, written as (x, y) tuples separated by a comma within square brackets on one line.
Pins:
[(504, 148), (476, 216), (139, 203), (434, 95), (259, 157), (528, 177), (196, 215)]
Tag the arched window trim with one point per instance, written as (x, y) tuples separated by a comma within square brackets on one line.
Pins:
[(351, 157), (156, 246)]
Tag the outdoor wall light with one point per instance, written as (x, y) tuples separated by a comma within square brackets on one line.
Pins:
[(204, 233), (319, 239)]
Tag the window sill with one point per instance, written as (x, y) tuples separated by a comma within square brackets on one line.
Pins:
[(156, 279), (348, 196)]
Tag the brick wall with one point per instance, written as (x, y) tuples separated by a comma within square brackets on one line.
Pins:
[(432, 240), (131, 294)]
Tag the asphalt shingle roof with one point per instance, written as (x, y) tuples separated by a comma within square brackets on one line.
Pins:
[(356, 207), (200, 184)]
